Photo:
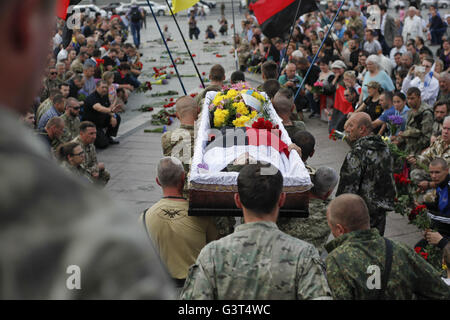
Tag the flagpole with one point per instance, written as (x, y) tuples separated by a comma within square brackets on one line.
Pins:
[(184, 40), (318, 51), (290, 36), (167, 47), (234, 37)]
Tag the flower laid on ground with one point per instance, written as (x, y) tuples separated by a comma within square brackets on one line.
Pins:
[(337, 135), (237, 107), (145, 86), (163, 117), (167, 93), (394, 124)]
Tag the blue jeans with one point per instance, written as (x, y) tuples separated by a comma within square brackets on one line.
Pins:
[(136, 32)]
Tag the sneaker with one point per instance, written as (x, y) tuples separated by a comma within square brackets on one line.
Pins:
[(112, 141)]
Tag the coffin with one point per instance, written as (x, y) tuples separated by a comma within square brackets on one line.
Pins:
[(211, 191)]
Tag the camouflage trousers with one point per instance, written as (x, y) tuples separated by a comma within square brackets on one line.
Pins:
[(103, 178), (378, 220)]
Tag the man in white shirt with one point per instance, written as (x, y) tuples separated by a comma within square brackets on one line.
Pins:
[(427, 84), (398, 47), (412, 27)]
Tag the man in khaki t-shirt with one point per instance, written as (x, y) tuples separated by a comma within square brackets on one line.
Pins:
[(178, 237)]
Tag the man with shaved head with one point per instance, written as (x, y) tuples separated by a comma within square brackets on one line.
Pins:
[(368, 169), (284, 107), (362, 265), (179, 143)]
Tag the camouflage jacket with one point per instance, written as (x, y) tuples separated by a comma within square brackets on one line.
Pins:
[(71, 128), (257, 261), (368, 172), (52, 222), (437, 128), (43, 108), (79, 171), (359, 26), (419, 127), (90, 155), (199, 98), (350, 277), (313, 229), (439, 149), (179, 143), (48, 86)]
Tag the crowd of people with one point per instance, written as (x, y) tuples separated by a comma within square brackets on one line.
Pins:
[(88, 79), (355, 86)]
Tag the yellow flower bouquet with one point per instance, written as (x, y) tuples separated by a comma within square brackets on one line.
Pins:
[(238, 106)]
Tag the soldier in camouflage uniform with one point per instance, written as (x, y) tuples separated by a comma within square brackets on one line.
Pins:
[(86, 140), (356, 263), (368, 169), (71, 156), (52, 82), (71, 120), (440, 112), (52, 226), (52, 134), (257, 261), (217, 77), (46, 105), (419, 125), (313, 229), (440, 148)]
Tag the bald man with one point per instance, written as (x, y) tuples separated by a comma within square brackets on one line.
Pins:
[(179, 143), (358, 260), (284, 107), (368, 169)]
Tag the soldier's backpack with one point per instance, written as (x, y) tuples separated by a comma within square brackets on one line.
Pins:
[(136, 15)]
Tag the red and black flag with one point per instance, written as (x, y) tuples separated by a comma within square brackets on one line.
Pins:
[(62, 7), (276, 16)]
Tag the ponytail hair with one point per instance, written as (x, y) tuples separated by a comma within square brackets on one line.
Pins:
[(66, 150)]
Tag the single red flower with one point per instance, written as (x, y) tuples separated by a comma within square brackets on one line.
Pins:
[(417, 249), (171, 99), (424, 255), (203, 73), (194, 55), (218, 56), (193, 95)]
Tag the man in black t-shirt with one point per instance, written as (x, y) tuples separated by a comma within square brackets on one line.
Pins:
[(98, 110), (110, 59)]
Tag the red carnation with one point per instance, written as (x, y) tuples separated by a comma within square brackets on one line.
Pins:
[(417, 249), (218, 56), (194, 55), (203, 73), (424, 255)]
